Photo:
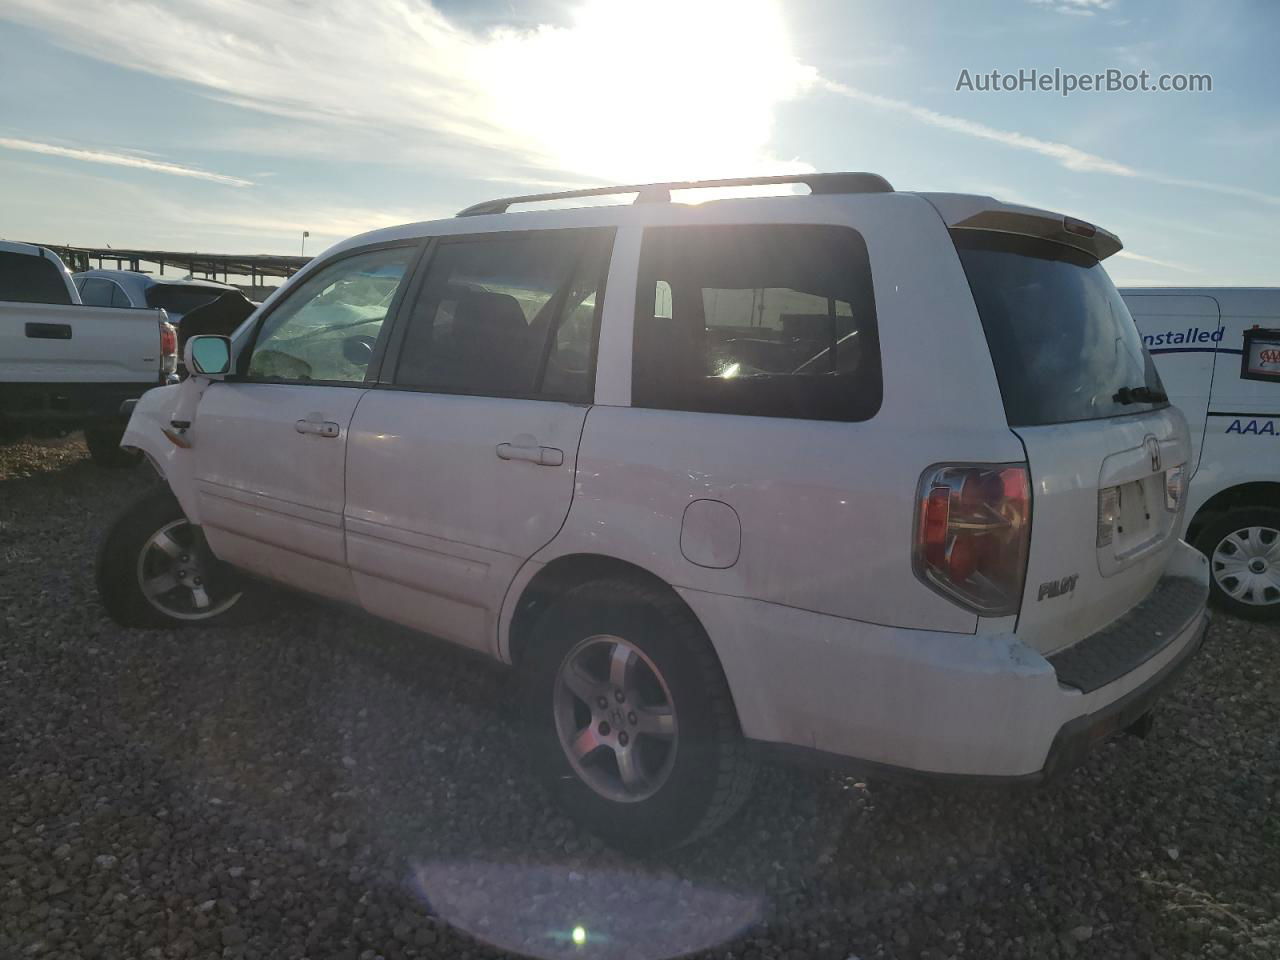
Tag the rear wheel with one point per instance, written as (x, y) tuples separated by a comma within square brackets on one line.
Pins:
[(630, 719), (105, 450), (154, 570), (1243, 547)]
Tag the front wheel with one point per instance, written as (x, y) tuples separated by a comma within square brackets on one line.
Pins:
[(105, 450), (630, 719), (154, 570), (1243, 547)]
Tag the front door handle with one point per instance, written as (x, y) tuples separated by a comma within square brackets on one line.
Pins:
[(321, 428), (543, 456)]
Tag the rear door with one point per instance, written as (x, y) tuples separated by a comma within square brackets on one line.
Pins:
[(461, 466), (271, 443), (1083, 395), (1182, 334)]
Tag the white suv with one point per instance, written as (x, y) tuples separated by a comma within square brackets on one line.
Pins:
[(882, 478)]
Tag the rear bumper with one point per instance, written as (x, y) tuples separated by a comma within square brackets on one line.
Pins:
[(891, 702), (69, 404)]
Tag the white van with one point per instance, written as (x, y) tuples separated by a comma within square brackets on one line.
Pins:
[(884, 478), (1218, 353)]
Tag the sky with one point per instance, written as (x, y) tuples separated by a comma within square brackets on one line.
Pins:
[(233, 125)]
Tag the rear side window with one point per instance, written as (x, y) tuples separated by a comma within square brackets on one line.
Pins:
[(96, 292), (761, 320), (1062, 340), (28, 279), (118, 297), (509, 315)]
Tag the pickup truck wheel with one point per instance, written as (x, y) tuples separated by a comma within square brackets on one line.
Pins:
[(1243, 547), (104, 447), (154, 570), (629, 717)]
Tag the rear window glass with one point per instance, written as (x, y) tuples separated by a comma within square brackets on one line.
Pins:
[(179, 299), (1062, 341), (28, 279), (761, 320)]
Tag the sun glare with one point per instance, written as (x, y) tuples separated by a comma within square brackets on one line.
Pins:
[(636, 91)]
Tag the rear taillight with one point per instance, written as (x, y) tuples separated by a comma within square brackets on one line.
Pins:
[(1108, 515), (168, 348), (1175, 486), (972, 534)]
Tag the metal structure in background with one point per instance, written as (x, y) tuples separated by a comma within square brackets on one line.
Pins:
[(211, 266)]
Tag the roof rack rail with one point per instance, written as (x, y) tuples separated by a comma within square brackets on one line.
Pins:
[(661, 192)]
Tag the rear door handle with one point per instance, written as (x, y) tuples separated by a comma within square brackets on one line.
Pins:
[(543, 456), (48, 331), (321, 428)]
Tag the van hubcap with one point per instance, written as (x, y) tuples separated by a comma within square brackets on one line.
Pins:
[(615, 719), (1246, 565), (173, 574)]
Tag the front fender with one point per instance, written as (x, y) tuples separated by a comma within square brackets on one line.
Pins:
[(146, 431)]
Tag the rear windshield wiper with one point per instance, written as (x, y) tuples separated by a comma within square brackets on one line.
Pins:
[(1139, 395)]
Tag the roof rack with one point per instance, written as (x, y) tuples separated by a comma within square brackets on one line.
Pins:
[(661, 192)]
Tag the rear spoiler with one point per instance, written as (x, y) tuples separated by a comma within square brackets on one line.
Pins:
[(967, 212)]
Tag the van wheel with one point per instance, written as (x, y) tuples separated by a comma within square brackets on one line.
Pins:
[(629, 717), (1243, 547), (104, 447), (154, 570)]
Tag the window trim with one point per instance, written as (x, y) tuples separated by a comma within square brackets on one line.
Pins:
[(864, 280), (391, 360), (245, 353)]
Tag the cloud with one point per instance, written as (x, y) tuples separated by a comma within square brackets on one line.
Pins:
[(89, 209), (1168, 264), (1079, 8), (89, 155), (390, 78), (1072, 158)]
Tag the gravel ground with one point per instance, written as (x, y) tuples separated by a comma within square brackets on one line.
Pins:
[(322, 786)]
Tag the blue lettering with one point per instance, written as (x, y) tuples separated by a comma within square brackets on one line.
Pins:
[(1217, 335), (1177, 338), (1252, 427), (1268, 428), (1202, 336), (1235, 427)]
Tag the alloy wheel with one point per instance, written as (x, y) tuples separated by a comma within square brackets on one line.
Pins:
[(615, 719), (173, 572)]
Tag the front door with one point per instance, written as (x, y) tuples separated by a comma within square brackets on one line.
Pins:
[(461, 465), (271, 442)]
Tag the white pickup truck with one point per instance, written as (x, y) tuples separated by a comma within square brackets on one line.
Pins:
[(66, 366)]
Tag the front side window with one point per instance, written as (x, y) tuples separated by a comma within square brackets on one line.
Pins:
[(761, 320), (508, 315), (327, 328)]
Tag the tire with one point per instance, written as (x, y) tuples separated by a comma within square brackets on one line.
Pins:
[(1251, 534), (104, 448), (681, 787), (130, 554)]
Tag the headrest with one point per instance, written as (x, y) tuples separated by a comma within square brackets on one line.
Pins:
[(484, 313)]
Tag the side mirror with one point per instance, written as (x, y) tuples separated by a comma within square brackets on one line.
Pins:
[(208, 356)]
